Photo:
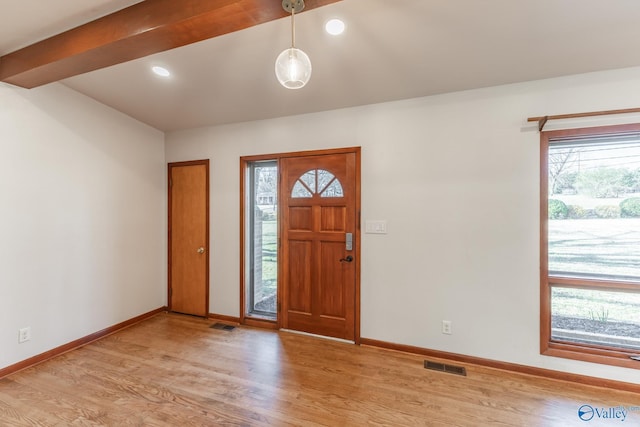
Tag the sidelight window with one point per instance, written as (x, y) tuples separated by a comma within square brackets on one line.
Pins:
[(263, 237)]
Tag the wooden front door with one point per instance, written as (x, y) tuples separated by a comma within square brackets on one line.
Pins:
[(189, 237), (319, 268)]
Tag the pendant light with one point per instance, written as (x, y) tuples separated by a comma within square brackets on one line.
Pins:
[(293, 67)]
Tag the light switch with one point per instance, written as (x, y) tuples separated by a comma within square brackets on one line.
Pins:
[(375, 227)]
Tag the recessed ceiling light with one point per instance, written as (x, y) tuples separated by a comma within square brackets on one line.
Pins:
[(161, 71), (334, 27)]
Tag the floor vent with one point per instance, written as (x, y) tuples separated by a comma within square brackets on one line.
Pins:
[(222, 327), (442, 367)]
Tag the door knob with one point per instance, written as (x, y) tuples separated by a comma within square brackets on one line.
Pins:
[(201, 250), (349, 258)]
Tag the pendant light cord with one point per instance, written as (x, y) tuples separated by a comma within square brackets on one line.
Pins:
[(293, 27)]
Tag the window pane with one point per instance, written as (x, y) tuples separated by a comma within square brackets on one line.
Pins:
[(327, 185), (324, 178), (309, 179), (264, 234), (594, 209), (595, 317), (333, 190), (300, 191)]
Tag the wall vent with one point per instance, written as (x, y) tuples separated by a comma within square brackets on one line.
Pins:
[(443, 367)]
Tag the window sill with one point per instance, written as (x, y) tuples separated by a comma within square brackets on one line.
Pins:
[(591, 354), (260, 322)]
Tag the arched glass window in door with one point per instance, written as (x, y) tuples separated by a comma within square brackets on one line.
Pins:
[(317, 181)]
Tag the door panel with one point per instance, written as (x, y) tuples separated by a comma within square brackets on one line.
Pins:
[(300, 218), (299, 295), (319, 197), (188, 237), (333, 218), (332, 281)]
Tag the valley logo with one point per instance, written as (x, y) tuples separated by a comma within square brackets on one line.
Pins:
[(619, 413)]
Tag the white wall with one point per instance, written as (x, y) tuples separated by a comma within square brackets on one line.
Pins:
[(82, 218), (457, 178)]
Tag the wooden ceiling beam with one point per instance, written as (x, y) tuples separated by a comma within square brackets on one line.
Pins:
[(143, 29)]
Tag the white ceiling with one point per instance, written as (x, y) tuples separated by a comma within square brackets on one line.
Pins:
[(27, 21), (392, 49)]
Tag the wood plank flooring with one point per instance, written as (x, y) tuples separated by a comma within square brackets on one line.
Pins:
[(175, 370)]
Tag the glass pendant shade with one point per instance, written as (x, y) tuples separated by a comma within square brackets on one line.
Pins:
[(293, 68)]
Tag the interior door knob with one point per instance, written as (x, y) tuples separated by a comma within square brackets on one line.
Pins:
[(201, 250), (349, 258)]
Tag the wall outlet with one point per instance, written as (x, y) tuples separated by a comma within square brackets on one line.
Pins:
[(24, 334), (446, 327)]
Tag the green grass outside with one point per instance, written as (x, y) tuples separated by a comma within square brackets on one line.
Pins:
[(596, 246), (596, 305), (269, 256)]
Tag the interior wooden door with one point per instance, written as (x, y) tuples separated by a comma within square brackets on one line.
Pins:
[(319, 266), (189, 237)]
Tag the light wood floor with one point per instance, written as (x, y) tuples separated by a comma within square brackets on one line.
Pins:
[(175, 370)]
